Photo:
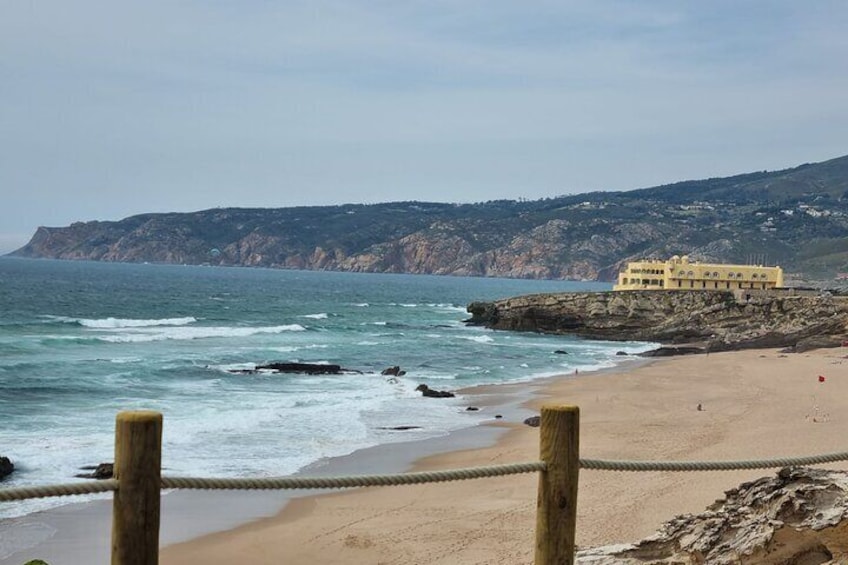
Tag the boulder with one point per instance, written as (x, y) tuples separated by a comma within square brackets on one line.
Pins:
[(430, 393), (533, 421), (101, 471), (6, 467), (395, 371), (798, 516)]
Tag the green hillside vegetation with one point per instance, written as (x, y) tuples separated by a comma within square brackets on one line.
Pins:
[(797, 218)]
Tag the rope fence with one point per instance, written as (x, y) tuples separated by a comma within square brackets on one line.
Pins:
[(138, 483), (399, 479)]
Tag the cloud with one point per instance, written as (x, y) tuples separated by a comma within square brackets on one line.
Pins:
[(112, 109)]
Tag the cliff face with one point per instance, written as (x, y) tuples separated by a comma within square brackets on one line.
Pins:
[(719, 320), (797, 218)]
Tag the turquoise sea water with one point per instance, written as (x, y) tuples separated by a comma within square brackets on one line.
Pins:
[(81, 341)]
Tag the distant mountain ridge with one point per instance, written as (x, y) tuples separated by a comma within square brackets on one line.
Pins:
[(796, 217)]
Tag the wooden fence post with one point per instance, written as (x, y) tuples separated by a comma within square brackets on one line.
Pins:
[(135, 510), (556, 506)]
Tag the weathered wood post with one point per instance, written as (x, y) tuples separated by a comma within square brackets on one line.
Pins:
[(135, 510), (556, 507)]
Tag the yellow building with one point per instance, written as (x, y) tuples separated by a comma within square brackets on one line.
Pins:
[(680, 273)]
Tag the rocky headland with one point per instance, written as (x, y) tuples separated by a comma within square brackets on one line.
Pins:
[(797, 218), (684, 321)]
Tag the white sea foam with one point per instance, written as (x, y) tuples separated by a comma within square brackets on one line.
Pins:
[(449, 307), (189, 333), (478, 338), (322, 316), (112, 323)]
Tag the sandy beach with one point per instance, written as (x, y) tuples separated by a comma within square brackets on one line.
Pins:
[(755, 404)]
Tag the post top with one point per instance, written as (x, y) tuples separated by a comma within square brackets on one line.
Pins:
[(139, 416), (561, 408)]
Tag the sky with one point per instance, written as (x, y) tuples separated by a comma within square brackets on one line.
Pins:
[(114, 108)]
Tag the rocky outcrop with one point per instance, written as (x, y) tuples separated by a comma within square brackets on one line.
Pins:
[(100, 471), (798, 516), (305, 368), (715, 319), (6, 467)]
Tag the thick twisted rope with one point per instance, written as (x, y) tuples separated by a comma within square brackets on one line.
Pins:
[(24, 493), (606, 465), (281, 483), (278, 483)]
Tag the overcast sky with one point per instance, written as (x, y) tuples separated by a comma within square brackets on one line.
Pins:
[(112, 108)]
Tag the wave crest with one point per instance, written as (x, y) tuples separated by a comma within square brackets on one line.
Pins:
[(115, 323)]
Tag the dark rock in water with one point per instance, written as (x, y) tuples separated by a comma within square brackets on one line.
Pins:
[(534, 421), (670, 351), (561, 352), (498, 416), (101, 471), (471, 409), (393, 371), (308, 368), (399, 428), (621, 353), (429, 392), (6, 467)]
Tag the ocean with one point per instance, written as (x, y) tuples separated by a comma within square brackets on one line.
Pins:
[(81, 341)]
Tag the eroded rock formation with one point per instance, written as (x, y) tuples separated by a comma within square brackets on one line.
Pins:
[(797, 516), (717, 320)]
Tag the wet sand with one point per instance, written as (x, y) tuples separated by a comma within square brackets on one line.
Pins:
[(754, 404)]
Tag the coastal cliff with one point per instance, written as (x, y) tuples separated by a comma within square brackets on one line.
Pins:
[(797, 218), (716, 320)]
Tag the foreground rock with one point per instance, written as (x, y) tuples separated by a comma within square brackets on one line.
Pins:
[(797, 516), (6, 467), (716, 320)]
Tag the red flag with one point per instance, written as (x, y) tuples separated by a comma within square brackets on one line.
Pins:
[(821, 379)]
